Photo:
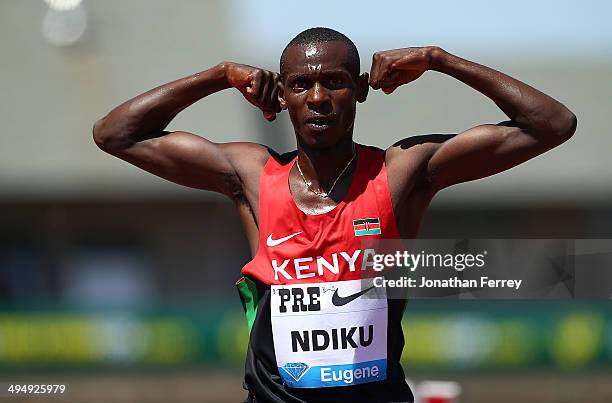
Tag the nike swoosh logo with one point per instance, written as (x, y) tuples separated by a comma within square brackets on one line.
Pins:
[(339, 301), (274, 242)]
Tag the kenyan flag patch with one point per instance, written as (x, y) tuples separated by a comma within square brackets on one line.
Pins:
[(366, 226)]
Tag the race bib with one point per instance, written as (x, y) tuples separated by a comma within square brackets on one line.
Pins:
[(330, 334)]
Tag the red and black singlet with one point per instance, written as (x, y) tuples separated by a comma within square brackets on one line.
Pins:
[(320, 330)]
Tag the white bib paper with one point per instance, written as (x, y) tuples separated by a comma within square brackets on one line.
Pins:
[(330, 334)]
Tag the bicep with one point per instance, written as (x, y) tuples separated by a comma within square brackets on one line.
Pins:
[(186, 159), (480, 152)]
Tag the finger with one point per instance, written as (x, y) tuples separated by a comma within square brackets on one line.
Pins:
[(389, 90), (271, 98), (389, 79), (262, 98), (387, 75), (255, 85), (266, 101), (374, 70), (382, 73), (274, 104)]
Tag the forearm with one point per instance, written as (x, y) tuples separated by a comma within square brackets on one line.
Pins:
[(529, 109), (148, 114)]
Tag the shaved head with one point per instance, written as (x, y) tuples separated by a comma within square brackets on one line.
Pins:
[(320, 35)]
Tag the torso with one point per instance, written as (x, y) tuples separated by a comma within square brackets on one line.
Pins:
[(308, 245), (285, 210), (409, 194)]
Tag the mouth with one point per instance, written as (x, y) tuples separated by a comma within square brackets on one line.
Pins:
[(320, 122)]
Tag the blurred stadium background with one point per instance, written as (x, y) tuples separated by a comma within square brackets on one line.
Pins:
[(122, 285)]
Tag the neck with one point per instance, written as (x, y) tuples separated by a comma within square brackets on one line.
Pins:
[(323, 165)]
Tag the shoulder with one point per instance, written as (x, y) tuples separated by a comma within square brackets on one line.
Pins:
[(246, 152), (284, 158), (372, 154), (248, 161), (373, 150), (248, 158), (409, 148), (406, 162), (418, 147)]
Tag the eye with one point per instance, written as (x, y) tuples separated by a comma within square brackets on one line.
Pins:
[(336, 82), (299, 85)]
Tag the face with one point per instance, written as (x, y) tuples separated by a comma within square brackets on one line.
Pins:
[(320, 93)]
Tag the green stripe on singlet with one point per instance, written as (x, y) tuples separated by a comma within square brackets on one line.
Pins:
[(362, 232), (248, 295)]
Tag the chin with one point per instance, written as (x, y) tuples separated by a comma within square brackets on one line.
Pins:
[(322, 137), (320, 140)]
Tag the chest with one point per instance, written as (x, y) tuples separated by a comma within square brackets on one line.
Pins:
[(311, 203)]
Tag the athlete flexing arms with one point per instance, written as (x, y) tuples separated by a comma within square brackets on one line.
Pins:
[(305, 212)]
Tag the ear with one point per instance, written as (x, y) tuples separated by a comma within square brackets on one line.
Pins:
[(363, 85), (281, 95)]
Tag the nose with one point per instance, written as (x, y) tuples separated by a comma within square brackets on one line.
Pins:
[(318, 95)]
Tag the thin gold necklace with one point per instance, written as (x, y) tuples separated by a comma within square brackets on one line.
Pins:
[(309, 183)]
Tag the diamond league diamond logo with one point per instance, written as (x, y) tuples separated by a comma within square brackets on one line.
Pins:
[(296, 370)]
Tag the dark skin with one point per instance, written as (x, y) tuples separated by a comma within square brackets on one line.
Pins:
[(320, 93)]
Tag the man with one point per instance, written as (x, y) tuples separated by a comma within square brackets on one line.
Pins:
[(314, 335)]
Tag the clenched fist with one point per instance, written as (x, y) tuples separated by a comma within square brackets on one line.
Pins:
[(259, 87), (392, 68)]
